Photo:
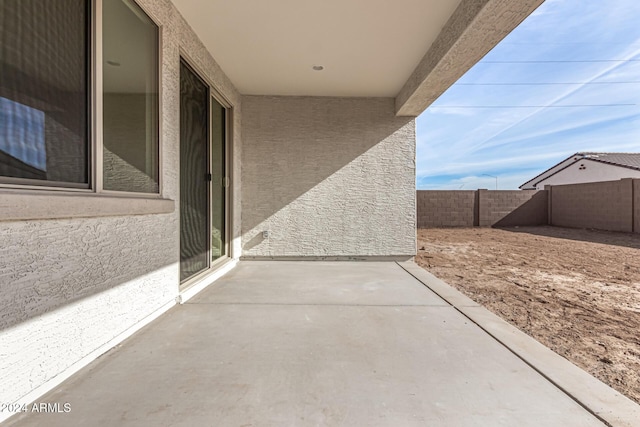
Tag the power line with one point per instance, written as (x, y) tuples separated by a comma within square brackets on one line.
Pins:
[(562, 43), (547, 83), (559, 61), (533, 106)]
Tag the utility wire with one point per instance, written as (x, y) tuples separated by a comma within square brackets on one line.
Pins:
[(533, 106), (559, 61), (561, 43), (543, 84)]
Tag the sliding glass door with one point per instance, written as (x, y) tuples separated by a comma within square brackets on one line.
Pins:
[(194, 169), (203, 180), (218, 180)]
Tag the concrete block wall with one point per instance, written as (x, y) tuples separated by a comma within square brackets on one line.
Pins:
[(607, 205), (441, 208), (636, 205), (511, 207), (484, 208)]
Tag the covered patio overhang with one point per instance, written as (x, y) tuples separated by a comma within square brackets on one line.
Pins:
[(409, 50)]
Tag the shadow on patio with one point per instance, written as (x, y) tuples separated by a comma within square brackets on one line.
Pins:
[(318, 343)]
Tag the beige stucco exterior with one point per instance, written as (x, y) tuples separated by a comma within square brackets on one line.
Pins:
[(70, 285), (587, 170), (327, 177)]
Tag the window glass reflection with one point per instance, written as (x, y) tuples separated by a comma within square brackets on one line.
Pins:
[(130, 98)]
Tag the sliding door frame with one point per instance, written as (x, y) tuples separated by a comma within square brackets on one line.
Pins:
[(213, 97), (217, 96)]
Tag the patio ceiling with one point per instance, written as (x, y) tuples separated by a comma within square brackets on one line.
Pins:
[(367, 47), (375, 48)]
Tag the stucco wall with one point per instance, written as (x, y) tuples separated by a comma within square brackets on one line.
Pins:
[(601, 205), (68, 286), (592, 172), (327, 177)]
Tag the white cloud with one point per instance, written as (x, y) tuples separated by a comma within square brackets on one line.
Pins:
[(464, 142)]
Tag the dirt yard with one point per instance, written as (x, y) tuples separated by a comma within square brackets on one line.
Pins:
[(576, 291)]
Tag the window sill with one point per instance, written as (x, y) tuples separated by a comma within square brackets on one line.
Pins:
[(17, 206)]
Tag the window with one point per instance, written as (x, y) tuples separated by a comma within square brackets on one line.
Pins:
[(43, 92), (130, 98), (46, 97)]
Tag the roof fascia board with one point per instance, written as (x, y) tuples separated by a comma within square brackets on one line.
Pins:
[(474, 29)]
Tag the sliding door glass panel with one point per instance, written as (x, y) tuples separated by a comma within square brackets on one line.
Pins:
[(44, 82), (194, 174), (130, 98), (218, 202)]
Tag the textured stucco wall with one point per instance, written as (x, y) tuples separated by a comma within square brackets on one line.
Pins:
[(327, 177), (68, 286), (602, 205)]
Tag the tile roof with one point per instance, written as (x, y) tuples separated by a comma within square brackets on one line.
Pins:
[(627, 160)]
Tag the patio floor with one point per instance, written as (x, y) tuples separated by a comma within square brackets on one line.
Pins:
[(312, 343)]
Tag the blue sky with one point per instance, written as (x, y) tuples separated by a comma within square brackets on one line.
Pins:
[(456, 146), (22, 133)]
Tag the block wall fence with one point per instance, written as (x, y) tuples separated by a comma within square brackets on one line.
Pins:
[(636, 205), (608, 205), (483, 208), (446, 208)]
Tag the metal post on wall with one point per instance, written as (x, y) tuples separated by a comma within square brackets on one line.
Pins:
[(548, 188), (492, 176)]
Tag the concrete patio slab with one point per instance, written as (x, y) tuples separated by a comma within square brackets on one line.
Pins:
[(318, 283), (612, 407), (292, 360)]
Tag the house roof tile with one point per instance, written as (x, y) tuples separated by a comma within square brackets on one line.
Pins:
[(628, 160)]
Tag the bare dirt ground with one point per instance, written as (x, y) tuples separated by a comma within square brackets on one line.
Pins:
[(575, 291)]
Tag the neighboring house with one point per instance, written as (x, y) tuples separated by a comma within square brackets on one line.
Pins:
[(588, 167), (148, 145)]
